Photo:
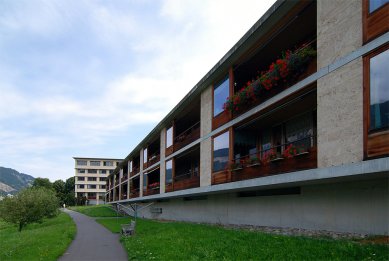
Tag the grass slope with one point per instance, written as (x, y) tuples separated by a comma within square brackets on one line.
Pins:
[(95, 211), (183, 241), (45, 241)]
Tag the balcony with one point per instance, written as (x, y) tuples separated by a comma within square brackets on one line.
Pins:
[(187, 136), (134, 192), (298, 155), (124, 178), (152, 189), (186, 171)]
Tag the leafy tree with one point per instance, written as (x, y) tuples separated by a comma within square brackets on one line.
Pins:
[(70, 199), (59, 188), (42, 182), (29, 206)]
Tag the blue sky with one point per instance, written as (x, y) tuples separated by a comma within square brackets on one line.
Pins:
[(92, 78)]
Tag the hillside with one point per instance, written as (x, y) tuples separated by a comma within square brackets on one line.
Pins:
[(11, 181)]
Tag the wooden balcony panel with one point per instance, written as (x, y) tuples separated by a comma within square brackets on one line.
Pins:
[(153, 160), (193, 182), (296, 163), (149, 191), (169, 187)]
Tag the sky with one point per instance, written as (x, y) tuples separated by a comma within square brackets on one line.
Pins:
[(93, 78)]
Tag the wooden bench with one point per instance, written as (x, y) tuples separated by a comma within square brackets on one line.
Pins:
[(128, 229)]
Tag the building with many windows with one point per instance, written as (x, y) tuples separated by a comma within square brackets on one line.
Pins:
[(289, 129), (91, 176)]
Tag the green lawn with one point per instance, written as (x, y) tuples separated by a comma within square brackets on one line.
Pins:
[(184, 241), (45, 241), (95, 211)]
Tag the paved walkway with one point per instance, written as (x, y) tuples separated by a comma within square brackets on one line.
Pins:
[(93, 242)]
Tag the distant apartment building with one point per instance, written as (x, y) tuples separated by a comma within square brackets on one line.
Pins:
[(90, 178), (289, 129)]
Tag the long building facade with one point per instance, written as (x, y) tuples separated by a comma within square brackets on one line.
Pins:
[(91, 176), (289, 129)]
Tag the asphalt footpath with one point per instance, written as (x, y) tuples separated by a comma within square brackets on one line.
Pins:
[(93, 242)]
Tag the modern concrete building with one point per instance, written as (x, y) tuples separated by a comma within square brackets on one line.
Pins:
[(289, 129), (90, 178)]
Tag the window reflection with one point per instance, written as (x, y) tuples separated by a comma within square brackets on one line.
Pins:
[(375, 4), (220, 151), (169, 137), (379, 91), (169, 172), (220, 95)]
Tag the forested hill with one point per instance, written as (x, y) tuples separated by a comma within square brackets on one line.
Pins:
[(11, 181)]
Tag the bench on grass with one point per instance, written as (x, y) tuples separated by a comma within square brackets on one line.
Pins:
[(128, 229)]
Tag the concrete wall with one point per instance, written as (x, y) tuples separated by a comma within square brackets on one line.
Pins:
[(357, 207), (206, 145), (339, 94)]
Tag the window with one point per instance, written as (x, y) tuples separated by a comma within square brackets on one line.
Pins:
[(110, 171), (107, 163), (103, 171), (103, 179), (81, 162), (91, 186), (92, 178), (130, 166), (102, 186), (375, 4), (169, 137), (81, 170), (220, 94), (145, 155), (379, 91), (94, 163), (375, 18), (221, 151), (117, 163), (144, 181), (80, 186), (169, 172), (80, 178), (92, 171)]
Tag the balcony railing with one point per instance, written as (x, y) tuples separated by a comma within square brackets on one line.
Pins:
[(151, 191), (135, 170), (189, 135), (184, 181), (288, 157), (134, 192)]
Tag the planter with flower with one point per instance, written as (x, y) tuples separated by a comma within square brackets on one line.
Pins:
[(270, 156), (282, 72), (294, 150), (154, 185), (252, 161)]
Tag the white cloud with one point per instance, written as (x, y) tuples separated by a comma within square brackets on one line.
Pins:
[(168, 54)]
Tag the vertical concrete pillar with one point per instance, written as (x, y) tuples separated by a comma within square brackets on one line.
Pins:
[(162, 169), (120, 186), (340, 93), (206, 145), (141, 174)]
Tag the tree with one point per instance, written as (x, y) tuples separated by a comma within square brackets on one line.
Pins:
[(29, 206), (42, 182), (70, 199), (59, 188)]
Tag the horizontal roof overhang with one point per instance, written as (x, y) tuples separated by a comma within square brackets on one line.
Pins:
[(365, 170)]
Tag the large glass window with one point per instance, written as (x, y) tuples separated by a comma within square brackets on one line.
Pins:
[(80, 178), (95, 163), (108, 163), (379, 91), (92, 178), (375, 4), (169, 172), (145, 155), (81, 162), (92, 171), (130, 166), (169, 137), (220, 151), (144, 181), (220, 94)]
